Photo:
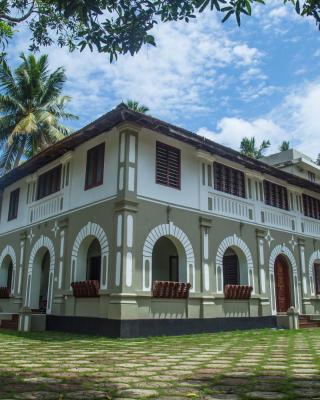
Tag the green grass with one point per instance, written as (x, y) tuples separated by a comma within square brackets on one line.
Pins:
[(234, 365)]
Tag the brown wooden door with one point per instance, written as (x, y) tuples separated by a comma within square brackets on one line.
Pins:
[(282, 282)]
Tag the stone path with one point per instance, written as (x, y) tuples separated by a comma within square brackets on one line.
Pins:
[(265, 364)]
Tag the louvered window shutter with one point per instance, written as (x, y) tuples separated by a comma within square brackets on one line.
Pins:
[(311, 206), (275, 195), (229, 180), (168, 165)]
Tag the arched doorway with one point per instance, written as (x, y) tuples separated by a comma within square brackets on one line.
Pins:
[(165, 261), (39, 292), (89, 260), (6, 272), (184, 250), (282, 284), (314, 273), (235, 269), (89, 257), (234, 264)]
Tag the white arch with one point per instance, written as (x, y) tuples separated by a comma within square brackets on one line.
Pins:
[(278, 250), (9, 251), (91, 229), (42, 242), (313, 258), (169, 230), (233, 241)]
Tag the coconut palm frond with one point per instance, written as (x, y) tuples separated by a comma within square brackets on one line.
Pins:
[(32, 107)]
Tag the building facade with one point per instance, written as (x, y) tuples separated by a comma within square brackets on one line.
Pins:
[(130, 200)]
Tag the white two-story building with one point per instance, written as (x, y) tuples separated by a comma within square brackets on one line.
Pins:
[(132, 226)]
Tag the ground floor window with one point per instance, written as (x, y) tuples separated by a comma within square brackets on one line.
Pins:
[(231, 270)]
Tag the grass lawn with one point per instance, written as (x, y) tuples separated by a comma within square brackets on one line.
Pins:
[(261, 364)]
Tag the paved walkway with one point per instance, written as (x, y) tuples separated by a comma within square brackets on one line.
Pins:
[(237, 365)]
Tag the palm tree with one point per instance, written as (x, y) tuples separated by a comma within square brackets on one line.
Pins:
[(249, 148), (135, 106), (31, 107), (285, 145)]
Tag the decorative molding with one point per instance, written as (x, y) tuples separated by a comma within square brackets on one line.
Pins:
[(233, 241), (269, 238), (293, 242), (8, 251), (55, 228), (31, 235), (282, 249), (313, 258), (46, 242), (91, 229), (205, 222), (166, 230)]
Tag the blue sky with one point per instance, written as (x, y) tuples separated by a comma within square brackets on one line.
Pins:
[(220, 81)]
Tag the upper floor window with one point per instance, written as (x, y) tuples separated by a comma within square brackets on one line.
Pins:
[(13, 204), (95, 166), (229, 180), (311, 206), (317, 277), (276, 195), (311, 176), (168, 165), (49, 182)]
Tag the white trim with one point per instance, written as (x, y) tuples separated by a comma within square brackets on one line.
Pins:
[(129, 230), (67, 212), (233, 241), (156, 233), (278, 250), (129, 269), (132, 149), (91, 229), (9, 251), (46, 242), (313, 258), (225, 217)]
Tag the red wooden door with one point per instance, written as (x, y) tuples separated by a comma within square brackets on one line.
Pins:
[(282, 282)]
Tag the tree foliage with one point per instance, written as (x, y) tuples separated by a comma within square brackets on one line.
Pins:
[(249, 147), (284, 146), (136, 106), (116, 26), (31, 107)]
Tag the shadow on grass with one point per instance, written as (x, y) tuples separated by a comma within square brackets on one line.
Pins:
[(60, 386), (245, 386), (30, 385)]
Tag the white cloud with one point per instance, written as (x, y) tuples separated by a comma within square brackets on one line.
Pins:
[(175, 77), (279, 12), (296, 119), (230, 131)]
